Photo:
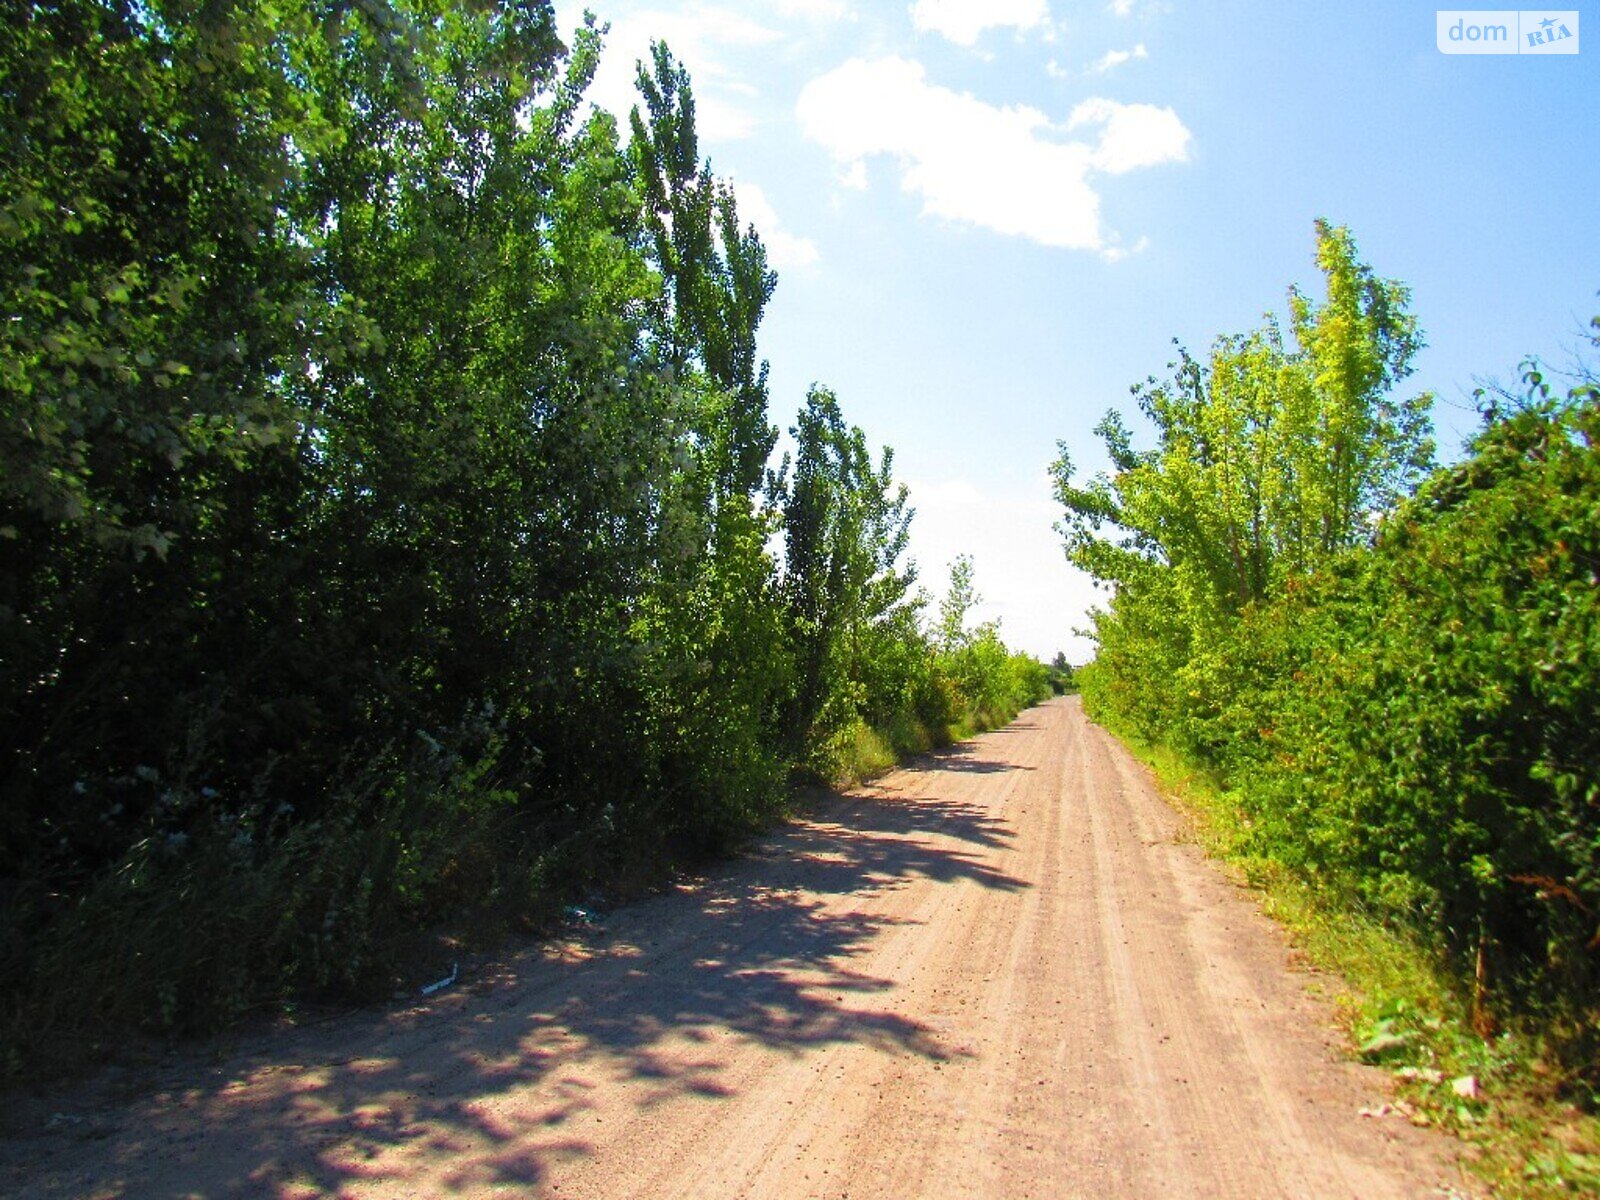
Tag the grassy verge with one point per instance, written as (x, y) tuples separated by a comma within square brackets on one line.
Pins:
[(866, 751), (1402, 1011)]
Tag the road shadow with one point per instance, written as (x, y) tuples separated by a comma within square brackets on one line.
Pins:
[(968, 758), (763, 951)]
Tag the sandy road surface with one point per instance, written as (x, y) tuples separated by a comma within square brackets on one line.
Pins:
[(997, 974)]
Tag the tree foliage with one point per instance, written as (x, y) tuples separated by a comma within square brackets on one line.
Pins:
[(384, 521), (1271, 457), (1394, 668), (1429, 732), (960, 598), (845, 528)]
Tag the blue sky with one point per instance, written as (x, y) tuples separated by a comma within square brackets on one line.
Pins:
[(990, 217)]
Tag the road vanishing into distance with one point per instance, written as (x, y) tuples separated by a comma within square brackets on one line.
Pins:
[(999, 972)]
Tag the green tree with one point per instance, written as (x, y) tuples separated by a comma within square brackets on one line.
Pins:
[(355, 528), (845, 526), (960, 598), (714, 625), (718, 282), (1269, 458), (383, 528)]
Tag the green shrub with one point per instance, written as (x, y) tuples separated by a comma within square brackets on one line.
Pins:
[(1397, 675), (1443, 750)]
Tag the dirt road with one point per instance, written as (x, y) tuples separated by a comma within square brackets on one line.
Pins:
[(998, 974)]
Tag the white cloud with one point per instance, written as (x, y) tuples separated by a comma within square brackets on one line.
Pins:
[(1118, 253), (963, 20), (1132, 135), (698, 36), (968, 160), (1147, 10), (784, 249), (814, 10), (1004, 169), (1112, 59)]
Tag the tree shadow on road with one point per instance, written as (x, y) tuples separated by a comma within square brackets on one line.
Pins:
[(968, 758), (437, 1095)]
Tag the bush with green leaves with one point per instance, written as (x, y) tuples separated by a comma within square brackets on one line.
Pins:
[(1395, 671), (1273, 456), (384, 504), (870, 683), (1437, 741)]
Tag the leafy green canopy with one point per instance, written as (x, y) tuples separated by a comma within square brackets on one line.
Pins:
[(845, 528), (1271, 457), (384, 518), (1429, 728), (1396, 671)]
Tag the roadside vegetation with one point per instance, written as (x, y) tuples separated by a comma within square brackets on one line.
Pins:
[(1378, 681), (389, 528)]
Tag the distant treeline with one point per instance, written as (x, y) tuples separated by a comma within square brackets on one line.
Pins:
[(387, 510), (1395, 667)]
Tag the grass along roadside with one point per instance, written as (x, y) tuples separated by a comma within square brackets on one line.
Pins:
[(864, 751), (1401, 1010)]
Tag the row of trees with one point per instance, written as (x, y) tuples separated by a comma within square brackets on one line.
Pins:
[(1394, 667), (385, 504)]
